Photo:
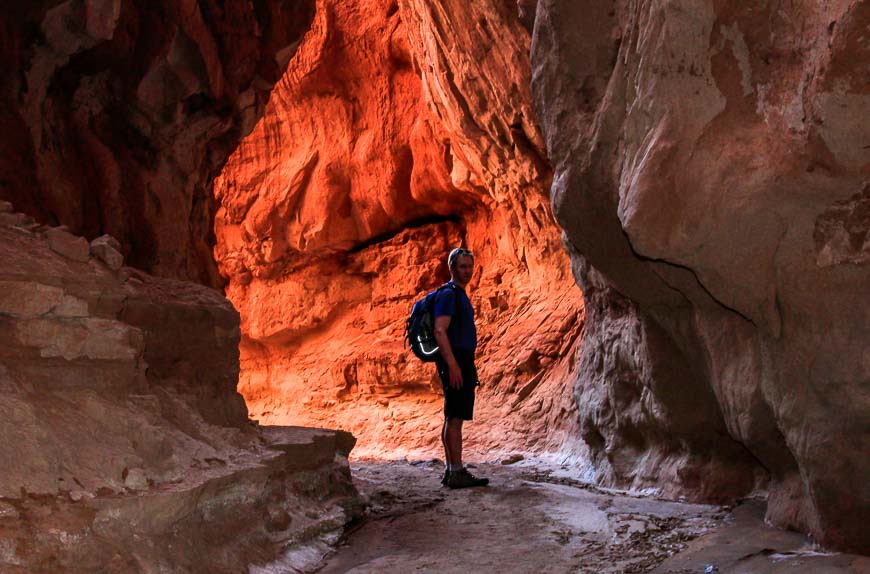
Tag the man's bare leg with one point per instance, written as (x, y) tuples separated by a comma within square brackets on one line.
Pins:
[(448, 456), (453, 442)]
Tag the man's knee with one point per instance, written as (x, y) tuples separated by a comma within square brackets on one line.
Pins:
[(454, 424)]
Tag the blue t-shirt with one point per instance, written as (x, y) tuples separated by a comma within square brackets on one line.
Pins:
[(454, 302)]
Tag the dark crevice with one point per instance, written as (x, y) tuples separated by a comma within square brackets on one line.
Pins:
[(412, 224), (677, 288)]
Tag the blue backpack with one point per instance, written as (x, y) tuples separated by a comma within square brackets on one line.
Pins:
[(420, 326)]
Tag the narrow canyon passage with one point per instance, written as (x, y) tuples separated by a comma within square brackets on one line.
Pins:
[(215, 216), (694, 363)]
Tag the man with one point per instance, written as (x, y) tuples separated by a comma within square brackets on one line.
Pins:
[(457, 340)]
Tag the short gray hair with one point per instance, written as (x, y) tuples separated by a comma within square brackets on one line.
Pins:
[(456, 253)]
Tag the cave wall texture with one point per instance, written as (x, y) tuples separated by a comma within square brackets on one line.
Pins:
[(400, 130), (711, 164), (117, 114)]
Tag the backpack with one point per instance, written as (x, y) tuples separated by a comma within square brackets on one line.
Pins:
[(420, 326)]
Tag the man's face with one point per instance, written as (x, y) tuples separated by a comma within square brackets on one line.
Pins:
[(463, 269)]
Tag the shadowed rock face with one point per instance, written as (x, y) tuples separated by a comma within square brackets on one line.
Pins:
[(711, 166), (126, 447), (123, 111), (400, 131), (124, 444)]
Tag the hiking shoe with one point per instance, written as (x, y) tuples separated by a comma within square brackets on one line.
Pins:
[(446, 477), (464, 479)]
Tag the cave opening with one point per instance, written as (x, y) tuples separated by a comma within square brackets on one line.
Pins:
[(338, 210)]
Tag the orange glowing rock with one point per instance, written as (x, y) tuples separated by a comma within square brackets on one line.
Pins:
[(383, 147)]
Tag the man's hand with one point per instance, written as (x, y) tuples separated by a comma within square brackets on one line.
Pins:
[(455, 376)]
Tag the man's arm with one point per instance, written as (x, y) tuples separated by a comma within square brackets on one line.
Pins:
[(441, 324)]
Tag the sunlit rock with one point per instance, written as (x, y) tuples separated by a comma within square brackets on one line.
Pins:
[(400, 130)]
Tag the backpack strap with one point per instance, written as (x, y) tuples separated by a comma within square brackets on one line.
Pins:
[(454, 288)]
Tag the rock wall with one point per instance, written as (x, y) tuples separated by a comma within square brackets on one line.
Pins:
[(711, 172), (711, 166), (125, 445), (118, 114), (400, 130)]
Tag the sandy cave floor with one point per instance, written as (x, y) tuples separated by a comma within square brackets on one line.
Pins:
[(532, 519)]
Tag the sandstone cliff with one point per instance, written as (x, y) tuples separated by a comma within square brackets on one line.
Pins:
[(400, 130), (711, 165), (125, 445), (117, 114)]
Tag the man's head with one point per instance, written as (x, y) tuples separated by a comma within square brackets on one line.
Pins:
[(461, 263)]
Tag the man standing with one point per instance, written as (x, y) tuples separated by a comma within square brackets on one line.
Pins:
[(457, 340)]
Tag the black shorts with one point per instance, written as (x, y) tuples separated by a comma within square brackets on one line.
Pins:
[(459, 403)]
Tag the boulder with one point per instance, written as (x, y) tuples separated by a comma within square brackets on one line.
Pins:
[(108, 250)]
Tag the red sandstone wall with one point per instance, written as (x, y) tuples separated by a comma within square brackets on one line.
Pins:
[(398, 133), (711, 167), (116, 115)]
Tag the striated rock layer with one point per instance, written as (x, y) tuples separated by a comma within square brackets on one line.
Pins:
[(399, 131), (711, 166), (125, 445), (117, 114)]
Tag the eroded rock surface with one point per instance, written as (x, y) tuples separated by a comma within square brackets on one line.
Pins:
[(400, 131), (125, 445), (711, 162), (117, 114)]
